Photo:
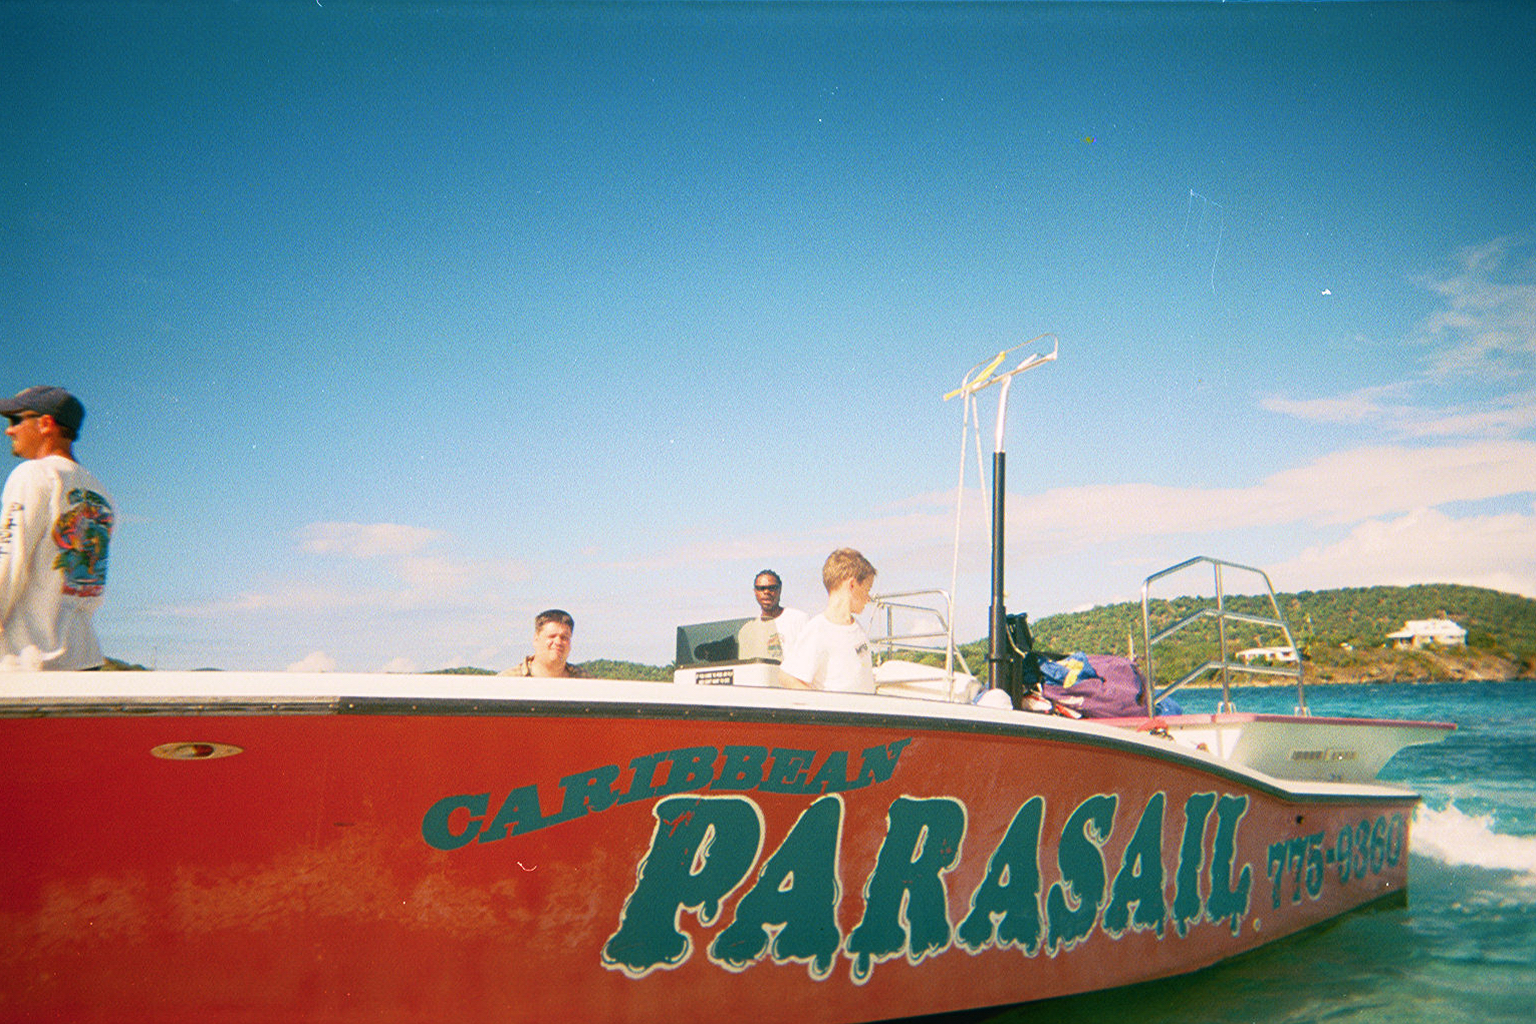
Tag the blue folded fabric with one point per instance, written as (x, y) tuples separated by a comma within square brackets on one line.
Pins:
[(1068, 671)]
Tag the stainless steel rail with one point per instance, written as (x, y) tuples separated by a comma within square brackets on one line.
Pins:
[(940, 640), (1224, 663)]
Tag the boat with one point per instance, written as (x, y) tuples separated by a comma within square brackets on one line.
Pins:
[(244, 846)]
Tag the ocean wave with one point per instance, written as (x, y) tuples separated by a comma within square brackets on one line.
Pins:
[(1463, 840)]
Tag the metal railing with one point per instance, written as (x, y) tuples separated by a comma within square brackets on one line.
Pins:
[(937, 641), (1222, 616)]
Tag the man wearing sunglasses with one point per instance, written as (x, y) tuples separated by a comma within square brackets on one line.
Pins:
[(769, 635), (55, 526)]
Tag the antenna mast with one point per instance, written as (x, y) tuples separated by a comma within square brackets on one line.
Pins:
[(978, 378)]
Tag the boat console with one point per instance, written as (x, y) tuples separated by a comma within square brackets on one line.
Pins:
[(708, 655), (910, 635)]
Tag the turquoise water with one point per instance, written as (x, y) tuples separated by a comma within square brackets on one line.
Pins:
[(1462, 950)]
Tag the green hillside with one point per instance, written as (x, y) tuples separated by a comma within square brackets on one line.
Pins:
[(1359, 616), (604, 668), (599, 668), (1337, 629)]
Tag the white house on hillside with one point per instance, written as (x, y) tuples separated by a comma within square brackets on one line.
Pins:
[(1421, 632), (1274, 655)]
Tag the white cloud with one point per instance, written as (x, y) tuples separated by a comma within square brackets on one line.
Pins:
[(400, 579), (402, 665), (1362, 406), (1351, 485), (1488, 325), (437, 575), (1482, 335), (1426, 546), (1339, 489), (365, 540), (315, 661), (293, 598), (735, 549), (1506, 416)]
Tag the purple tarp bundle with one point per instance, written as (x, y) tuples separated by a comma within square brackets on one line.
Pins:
[(1113, 689)]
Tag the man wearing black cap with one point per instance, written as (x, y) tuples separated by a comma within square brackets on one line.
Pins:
[(55, 524)]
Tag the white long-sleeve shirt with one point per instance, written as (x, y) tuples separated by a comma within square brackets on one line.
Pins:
[(55, 526)]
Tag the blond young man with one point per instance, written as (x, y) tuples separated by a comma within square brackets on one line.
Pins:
[(831, 652)]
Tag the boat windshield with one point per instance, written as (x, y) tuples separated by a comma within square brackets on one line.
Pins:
[(709, 643)]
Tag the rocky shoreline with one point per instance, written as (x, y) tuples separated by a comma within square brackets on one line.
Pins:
[(1417, 666)]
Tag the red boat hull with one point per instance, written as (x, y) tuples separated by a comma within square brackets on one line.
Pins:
[(397, 861)]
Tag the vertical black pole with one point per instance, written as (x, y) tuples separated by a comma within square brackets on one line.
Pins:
[(997, 630)]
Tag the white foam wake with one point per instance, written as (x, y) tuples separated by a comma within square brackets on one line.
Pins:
[(1458, 839)]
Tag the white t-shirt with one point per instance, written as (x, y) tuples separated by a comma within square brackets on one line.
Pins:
[(55, 524), (757, 638), (831, 657)]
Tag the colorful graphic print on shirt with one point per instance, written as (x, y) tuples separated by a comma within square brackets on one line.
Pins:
[(81, 534)]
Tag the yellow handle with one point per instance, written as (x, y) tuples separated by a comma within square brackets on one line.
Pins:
[(980, 379)]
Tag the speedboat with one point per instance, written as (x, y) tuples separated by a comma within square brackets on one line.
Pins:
[(244, 846)]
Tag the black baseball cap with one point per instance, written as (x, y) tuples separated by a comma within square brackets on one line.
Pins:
[(64, 407)]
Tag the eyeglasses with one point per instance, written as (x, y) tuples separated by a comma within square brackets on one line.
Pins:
[(770, 586), (18, 417)]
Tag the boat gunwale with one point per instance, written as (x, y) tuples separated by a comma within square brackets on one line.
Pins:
[(1100, 733), (1245, 717)]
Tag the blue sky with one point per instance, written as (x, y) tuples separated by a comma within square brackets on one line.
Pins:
[(399, 322)]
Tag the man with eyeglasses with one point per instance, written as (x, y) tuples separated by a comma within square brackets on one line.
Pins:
[(55, 526), (769, 635)]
